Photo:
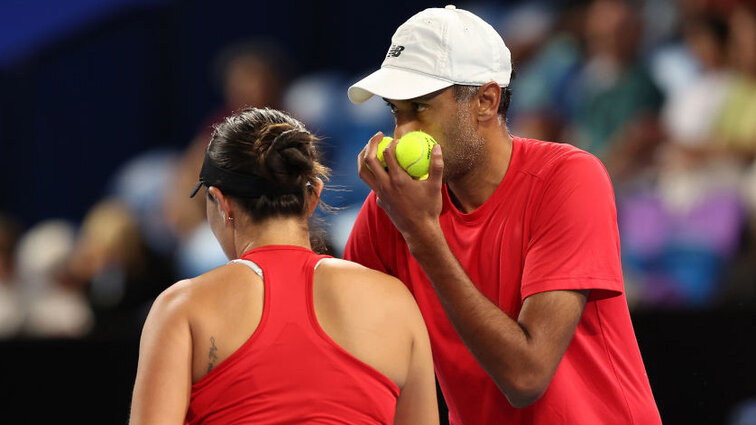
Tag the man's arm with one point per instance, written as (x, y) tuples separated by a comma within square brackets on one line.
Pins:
[(522, 354)]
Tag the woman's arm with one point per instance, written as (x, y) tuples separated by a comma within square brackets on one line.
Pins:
[(417, 404), (163, 381)]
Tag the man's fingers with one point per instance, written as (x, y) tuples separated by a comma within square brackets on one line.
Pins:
[(395, 170), (372, 145), (436, 169), (368, 165)]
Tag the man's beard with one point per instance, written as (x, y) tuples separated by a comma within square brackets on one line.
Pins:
[(467, 147)]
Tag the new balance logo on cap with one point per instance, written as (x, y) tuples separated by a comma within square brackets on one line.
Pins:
[(395, 51)]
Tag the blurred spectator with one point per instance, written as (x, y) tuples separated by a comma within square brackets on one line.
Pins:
[(613, 100), (674, 253), (121, 274), (11, 307), (546, 50), (57, 305), (691, 111), (526, 27), (683, 230), (672, 64), (736, 125), (249, 74), (141, 183), (317, 99), (660, 18)]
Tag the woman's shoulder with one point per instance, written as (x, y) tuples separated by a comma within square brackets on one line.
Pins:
[(194, 293), (358, 283), (175, 297), (345, 272)]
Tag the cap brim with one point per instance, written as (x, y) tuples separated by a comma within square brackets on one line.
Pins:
[(394, 83)]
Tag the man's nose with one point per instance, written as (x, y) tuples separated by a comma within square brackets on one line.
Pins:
[(403, 128)]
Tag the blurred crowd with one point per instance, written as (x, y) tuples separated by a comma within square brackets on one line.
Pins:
[(662, 91)]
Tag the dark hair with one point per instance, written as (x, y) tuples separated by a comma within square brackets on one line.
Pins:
[(276, 147)]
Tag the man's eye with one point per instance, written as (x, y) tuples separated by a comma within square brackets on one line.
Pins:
[(391, 107), (419, 107)]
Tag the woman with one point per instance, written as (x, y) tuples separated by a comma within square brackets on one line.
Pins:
[(281, 334)]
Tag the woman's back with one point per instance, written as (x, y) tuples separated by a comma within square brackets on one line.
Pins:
[(315, 340)]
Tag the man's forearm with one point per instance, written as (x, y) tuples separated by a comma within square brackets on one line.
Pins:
[(500, 344)]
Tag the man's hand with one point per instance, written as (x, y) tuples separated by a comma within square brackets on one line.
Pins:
[(413, 206)]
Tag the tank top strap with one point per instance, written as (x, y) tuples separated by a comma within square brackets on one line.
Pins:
[(312, 264), (251, 264), (316, 259)]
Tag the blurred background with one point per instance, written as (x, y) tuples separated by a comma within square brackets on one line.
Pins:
[(106, 107)]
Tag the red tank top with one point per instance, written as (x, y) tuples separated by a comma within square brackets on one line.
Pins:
[(290, 371)]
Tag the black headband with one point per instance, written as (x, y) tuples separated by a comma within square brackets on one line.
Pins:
[(238, 184)]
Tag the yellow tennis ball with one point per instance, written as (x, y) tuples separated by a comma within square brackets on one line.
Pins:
[(413, 152), (382, 145)]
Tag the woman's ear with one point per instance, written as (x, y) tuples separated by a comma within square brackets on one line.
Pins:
[(223, 203), (314, 196)]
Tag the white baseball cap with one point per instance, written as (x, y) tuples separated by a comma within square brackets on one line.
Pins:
[(435, 49)]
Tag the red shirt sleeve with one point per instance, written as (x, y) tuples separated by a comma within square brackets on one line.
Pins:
[(363, 244), (574, 240)]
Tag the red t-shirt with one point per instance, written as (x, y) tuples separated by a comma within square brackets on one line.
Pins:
[(551, 224), (290, 371)]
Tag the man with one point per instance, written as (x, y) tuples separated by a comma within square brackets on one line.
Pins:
[(510, 247)]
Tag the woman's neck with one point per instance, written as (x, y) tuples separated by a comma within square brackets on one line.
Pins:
[(273, 231)]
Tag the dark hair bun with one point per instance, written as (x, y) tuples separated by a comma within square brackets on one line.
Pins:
[(275, 146), (289, 159)]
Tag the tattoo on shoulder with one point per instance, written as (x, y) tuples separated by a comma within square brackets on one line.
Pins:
[(213, 357)]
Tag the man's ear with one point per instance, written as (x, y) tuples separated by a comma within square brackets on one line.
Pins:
[(489, 96)]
